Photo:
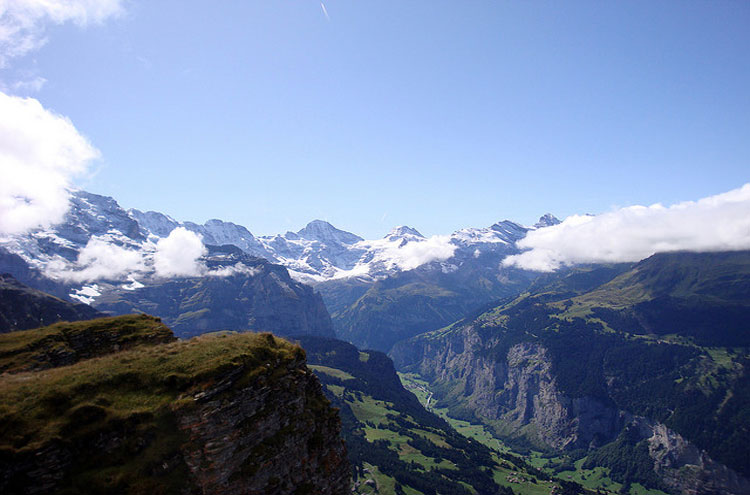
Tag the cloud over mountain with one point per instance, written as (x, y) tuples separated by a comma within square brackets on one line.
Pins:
[(40, 152), (715, 223), (178, 254), (409, 255), (99, 259)]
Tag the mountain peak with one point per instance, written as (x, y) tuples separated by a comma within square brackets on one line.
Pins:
[(215, 221), (547, 220), (403, 231), (320, 230), (318, 224)]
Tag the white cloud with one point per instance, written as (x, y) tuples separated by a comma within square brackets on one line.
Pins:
[(236, 269), (715, 223), (29, 85), (22, 22), (397, 254), (40, 152), (178, 255), (99, 259), (417, 253), (86, 294)]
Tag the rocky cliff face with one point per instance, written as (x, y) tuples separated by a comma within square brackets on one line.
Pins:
[(519, 391), (686, 468), (516, 392), (278, 435), (221, 414)]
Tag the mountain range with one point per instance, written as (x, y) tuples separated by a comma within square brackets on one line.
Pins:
[(316, 253), (108, 257)]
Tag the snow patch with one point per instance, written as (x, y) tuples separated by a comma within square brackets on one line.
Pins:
[(133, 285), (86, 294)]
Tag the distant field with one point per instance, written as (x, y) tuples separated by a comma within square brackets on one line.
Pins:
[(593, 479)]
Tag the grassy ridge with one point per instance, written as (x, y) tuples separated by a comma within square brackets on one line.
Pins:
[(123, 403), (44, 405), (65, 342)]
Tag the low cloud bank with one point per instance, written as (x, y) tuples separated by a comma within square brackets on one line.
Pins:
[(177, 255), (417, 253), (99, 259), (715, 223), (402, 255), (236, 269)]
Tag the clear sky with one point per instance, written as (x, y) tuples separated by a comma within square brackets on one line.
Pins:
[(434, 114)]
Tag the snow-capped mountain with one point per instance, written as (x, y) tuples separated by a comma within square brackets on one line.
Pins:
[(546, 220), (318, 251), (90, 216), (404, 234), (98, 229)]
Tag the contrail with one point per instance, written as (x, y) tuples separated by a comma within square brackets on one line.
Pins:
[(325, 11)]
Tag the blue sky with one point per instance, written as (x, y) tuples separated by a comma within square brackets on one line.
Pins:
[(438, 115)]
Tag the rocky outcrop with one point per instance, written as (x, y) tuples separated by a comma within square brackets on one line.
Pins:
[(686, 468), (220, 414), (277, 436)]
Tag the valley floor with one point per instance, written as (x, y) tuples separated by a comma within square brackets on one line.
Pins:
[(560, 467)]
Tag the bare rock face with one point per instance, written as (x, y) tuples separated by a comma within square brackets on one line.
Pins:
[(519, 390), (279, 437), (686, 468), (532, 397)]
